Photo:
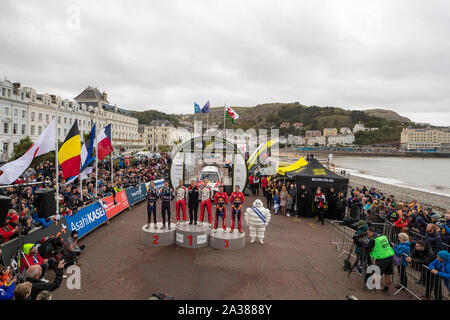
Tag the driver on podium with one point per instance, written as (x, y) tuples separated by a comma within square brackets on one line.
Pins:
[(205, 197), (152, 198), (221, 200), (166, 195), (180, 194)]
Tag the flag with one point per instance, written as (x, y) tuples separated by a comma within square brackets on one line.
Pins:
[(86, 151), (10, 171), (69, 155), (205, 108), (230, 114), (104, 145), (86, 157), (197, 108)]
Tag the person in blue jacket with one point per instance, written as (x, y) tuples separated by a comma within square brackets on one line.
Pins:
[(440, 267), (402, 250), (7, 289), (276, 201)]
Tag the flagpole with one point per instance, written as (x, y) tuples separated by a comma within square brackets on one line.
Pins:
[(112, 159), (57, 161), (224, 119), (96, 156)]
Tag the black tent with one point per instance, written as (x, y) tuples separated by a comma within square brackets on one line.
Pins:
[(315, 175)]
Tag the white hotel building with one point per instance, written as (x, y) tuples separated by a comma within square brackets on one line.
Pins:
[(23, 112)]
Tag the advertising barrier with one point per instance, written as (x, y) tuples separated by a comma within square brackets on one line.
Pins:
[(115, 206), (87, 219), (136, 194)]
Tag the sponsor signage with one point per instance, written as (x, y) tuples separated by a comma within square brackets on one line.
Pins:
[(136, 194), (114, 206), (86, 219)]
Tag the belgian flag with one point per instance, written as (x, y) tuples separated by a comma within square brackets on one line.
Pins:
[(69, 155)]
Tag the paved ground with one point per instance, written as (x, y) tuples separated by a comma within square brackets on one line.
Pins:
[(296, 262)]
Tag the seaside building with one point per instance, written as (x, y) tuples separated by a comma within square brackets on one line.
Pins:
[(13, 117), (327, 132), (156, 134), (312, 141), (437, 139), (345, 130), (312, 133), (124, 129), (342, 139)]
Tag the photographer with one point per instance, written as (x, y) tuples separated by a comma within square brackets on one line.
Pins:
[(381, 252), (361, 240)]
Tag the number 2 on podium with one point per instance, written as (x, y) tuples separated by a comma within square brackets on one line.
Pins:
[(155, 239)]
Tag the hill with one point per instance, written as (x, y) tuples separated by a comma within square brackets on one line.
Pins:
[(271, 115)]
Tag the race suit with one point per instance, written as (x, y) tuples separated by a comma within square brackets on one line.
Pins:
[(166, 197), (205, 197), (152, 198), (181, 193), (236, 208), (221, 200)]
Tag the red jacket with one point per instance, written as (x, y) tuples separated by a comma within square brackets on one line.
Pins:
[(6, 231), (400, 224), (251, 179), (219, 195), (264, 182), (235, 195), (28, 260)]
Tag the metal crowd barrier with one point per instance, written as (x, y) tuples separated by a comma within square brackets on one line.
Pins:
[(418, 280), (342, 237)]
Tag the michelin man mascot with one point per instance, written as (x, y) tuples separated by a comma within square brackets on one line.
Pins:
[(257, 217)]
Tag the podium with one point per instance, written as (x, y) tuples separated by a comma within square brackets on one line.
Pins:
[(192, 236), (156, 237), (224, 240)]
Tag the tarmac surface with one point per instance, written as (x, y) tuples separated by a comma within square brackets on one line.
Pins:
[(296, 261)]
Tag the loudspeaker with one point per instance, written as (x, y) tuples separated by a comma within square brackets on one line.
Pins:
[(5, 205), (44, 200)]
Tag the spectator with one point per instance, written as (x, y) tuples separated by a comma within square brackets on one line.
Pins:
[(276, 202), (31, 257), (441, 267), (402, 251), (34, 274), (422, 254), (319, 203), (71, 249), (283, 198), (433, 238), (23, 291), (44, 295), (7, 288)]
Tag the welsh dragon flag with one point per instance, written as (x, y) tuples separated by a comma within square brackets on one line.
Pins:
[(230, 114)]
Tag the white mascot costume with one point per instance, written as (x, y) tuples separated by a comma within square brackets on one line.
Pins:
[(257, 217)]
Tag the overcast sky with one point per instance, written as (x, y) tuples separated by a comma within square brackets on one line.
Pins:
[(167, 54)]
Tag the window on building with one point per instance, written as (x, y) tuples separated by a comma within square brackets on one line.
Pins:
[(16, 112), (15, 127), (59, 132), (39, 130), (65, 120), (40, 116), (3, 91), (5, 127), (32, 116), (24, 129), (32, 130), (6, 111), (24, 114), (5, 147), (47, 117), (59, 119)]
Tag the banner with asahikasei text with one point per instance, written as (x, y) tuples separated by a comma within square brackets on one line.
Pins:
[(87, 219)]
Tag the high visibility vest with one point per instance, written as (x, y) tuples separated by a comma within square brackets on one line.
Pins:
[(382, 249), (117, 189)]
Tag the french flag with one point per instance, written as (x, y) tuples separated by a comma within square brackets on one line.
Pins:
[(104, 145)]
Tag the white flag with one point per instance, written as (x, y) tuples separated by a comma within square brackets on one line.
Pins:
[(43, 144)]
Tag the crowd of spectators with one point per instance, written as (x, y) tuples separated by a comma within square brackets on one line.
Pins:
[(27, 279)]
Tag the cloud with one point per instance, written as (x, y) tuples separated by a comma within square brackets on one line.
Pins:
[(168, 54)]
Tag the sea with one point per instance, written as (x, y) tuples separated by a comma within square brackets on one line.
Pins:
[(423, 174)]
